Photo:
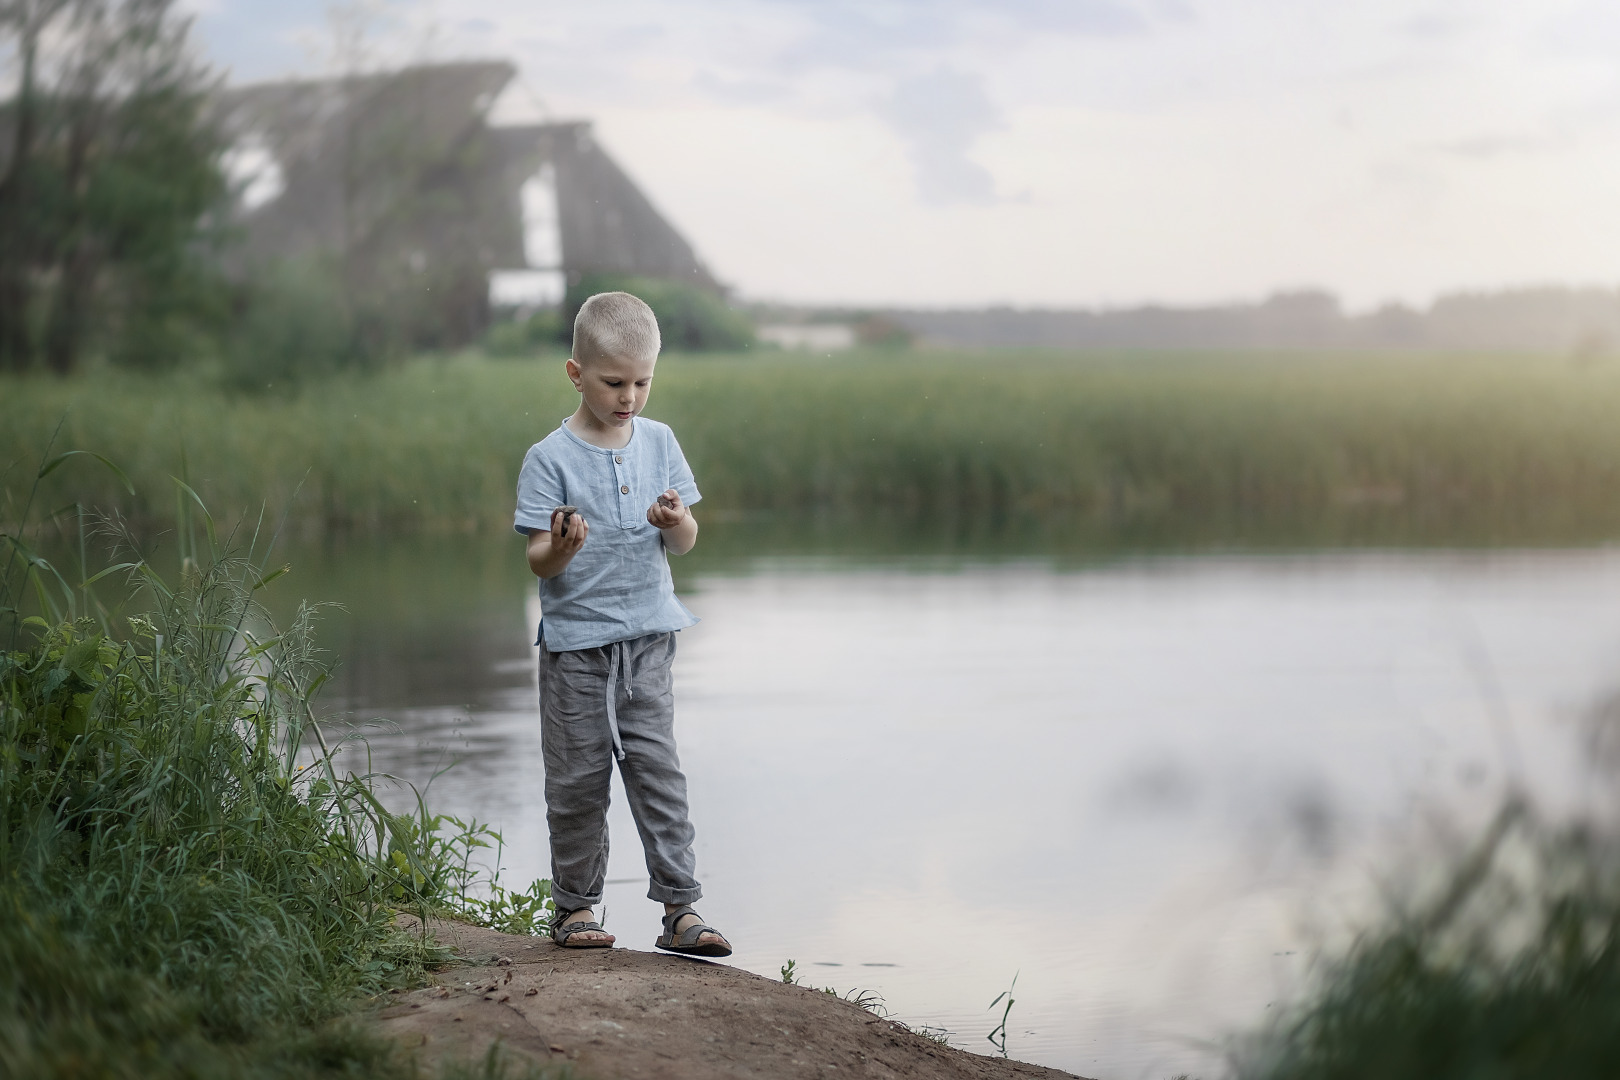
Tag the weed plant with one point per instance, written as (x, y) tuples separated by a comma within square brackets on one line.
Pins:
[(190, 885), (1510, 972), (998, 1034), (1495, 441)]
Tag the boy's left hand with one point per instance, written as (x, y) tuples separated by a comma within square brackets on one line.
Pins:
[(667, 512)]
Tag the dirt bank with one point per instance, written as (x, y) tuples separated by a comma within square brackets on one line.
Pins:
[(620, 1013)]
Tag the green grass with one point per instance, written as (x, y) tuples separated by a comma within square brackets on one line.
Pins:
[(1499, 441), (192, 883)]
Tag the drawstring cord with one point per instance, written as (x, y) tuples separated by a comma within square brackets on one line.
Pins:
[(618, 666)]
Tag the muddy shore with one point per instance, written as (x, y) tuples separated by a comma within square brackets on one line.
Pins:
[(621, 1013)]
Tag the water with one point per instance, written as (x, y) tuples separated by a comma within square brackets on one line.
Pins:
[(1148, 787)]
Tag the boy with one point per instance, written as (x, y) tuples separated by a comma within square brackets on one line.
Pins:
[(607, 631)]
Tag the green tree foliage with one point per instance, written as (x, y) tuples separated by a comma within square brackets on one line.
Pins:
[(882, 332), (689, 318), (537, 332), (293, 325), (107, 170)]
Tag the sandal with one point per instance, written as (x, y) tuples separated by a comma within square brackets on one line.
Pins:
[(687, 944), (561, 933)]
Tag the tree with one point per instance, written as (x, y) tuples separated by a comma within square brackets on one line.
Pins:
[(690, 317), (110, 167)]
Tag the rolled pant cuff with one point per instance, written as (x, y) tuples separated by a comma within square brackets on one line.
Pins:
[(567, 901), (674, 896)]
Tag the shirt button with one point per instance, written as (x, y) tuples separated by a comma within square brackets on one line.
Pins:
[(625, 490), (618, 460)]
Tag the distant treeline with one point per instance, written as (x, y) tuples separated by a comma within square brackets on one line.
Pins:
[(1543, 320)]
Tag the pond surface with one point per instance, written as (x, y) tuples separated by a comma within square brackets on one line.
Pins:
[(1147, 787)]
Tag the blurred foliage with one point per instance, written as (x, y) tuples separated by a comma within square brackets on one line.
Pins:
[(107, 179), (542, 331), (294, 325), (690, 318), (882, 332), (296, 321), (1510, 971)]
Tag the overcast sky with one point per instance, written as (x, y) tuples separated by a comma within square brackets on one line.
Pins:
[(1067, 152)]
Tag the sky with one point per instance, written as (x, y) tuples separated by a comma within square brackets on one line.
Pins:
[(1059, 152)]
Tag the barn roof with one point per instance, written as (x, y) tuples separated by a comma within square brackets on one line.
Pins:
[(408, 159)]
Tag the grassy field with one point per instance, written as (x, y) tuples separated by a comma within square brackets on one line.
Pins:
[(935, 436)]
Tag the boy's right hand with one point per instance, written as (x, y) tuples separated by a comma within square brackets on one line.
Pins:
[(570, 543), (550, 551)]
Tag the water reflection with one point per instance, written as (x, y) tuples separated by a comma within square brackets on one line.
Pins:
[(1147, 786)]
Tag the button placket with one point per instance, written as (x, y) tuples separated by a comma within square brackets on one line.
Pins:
[(627, 519)]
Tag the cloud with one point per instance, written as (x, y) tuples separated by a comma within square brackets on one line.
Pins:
[(1583, 29), (939, 116), (742, 91), (1485, 147), (1433, 26), (862, 35), (905, 18), (1088, 18)]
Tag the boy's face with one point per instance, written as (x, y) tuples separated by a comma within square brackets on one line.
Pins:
[(614, 388)]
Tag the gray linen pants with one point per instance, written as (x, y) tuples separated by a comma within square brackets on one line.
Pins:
[(596, 705)]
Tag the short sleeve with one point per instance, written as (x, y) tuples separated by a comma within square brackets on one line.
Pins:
[(680, 473), (540, 490)]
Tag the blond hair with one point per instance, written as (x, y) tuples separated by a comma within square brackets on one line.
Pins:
[(615, 324)]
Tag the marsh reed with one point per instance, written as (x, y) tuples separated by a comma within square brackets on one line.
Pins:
[(1193, 437)]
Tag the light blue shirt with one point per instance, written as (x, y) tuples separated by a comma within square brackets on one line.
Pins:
[(618, 586)]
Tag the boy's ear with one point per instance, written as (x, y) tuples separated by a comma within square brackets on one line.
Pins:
[(573, 369)]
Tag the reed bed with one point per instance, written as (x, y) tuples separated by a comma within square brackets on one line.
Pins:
[(936, 435)]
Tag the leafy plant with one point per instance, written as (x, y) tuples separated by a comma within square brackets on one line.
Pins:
[(512, 912)]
